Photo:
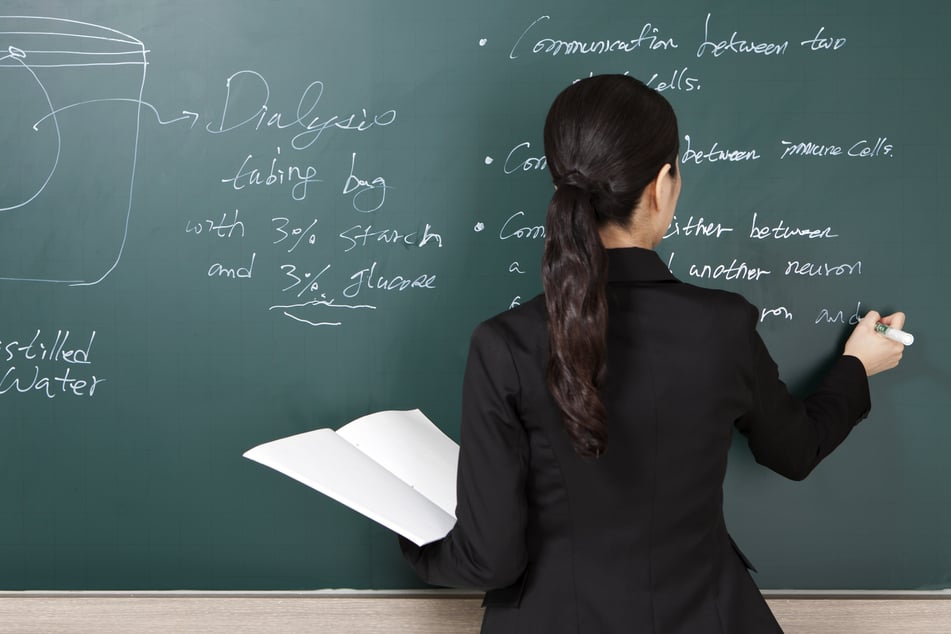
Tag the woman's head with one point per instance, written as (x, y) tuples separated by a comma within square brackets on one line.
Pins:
[(610, 136), (610, 142)]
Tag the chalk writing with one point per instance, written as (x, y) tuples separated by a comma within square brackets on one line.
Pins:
[(696, 227), (359, 235), (39, 353), (511, 229), (862, 149), (186, 115), (732, 271), (648, 38), (364, 192), (41, 349), (368, 278), (715, 154), (246, 103), (738, 46), (808, 148), (515, 163), (302, 282), (679, 80), (299, 234), (224, 228), (299, 177), (819, 43), (822, 269), (77, 45), (782, 232), (46, 385), (293, 311), (252, 91), (866, 148), (827, 316), (779, 311), (234, 272)]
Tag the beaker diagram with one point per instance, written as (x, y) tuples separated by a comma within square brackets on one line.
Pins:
[(70, 105)]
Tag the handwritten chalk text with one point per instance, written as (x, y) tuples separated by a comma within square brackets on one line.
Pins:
[(782, 232), (224, 228), (39, 353), (739, 46), (715, 154), (649, 38), (364, 192), (251, 90), (823, 269), (819, 43), (367, 278), (779, 311), (699, 228), (859, 149), (826, 316), (510, 230), (514, 162), (299, 177), (732, 271), (360, 235)]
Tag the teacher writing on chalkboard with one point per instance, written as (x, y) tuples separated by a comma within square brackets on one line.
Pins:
[(596, 418)]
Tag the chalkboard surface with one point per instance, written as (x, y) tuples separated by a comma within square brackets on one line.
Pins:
[(227, 222)]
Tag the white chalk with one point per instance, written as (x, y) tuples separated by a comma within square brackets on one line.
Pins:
[(895, 334)]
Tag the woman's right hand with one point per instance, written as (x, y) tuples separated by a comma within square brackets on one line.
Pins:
[(876, 352)]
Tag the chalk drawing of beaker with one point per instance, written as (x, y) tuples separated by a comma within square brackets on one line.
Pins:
[(70, 100)]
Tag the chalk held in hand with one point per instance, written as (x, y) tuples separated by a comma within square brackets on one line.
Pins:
[(895, 334)]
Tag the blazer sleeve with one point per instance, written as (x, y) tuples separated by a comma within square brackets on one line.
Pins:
[(487, 547), (791, 435)]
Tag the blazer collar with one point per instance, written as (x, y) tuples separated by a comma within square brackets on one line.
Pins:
[(634, 264)]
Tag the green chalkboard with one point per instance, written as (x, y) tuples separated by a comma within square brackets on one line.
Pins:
[(227, 222)]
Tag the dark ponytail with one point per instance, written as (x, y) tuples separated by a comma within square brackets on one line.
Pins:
[(606, 138)]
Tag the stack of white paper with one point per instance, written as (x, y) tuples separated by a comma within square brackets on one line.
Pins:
[(395, 467)]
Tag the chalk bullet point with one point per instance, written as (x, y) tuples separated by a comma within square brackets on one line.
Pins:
[(478, 227), (488, 160), (482, 42)]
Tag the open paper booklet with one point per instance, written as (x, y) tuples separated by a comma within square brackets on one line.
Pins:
[(395, 467)]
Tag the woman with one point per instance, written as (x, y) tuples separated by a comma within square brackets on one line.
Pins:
[(598, 416)]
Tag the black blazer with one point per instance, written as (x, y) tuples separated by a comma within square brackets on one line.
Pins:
[(633, 541)]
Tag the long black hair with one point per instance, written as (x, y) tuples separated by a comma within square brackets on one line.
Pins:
[(606, 139)]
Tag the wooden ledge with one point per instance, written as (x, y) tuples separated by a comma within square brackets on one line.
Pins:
[(389, 613)]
